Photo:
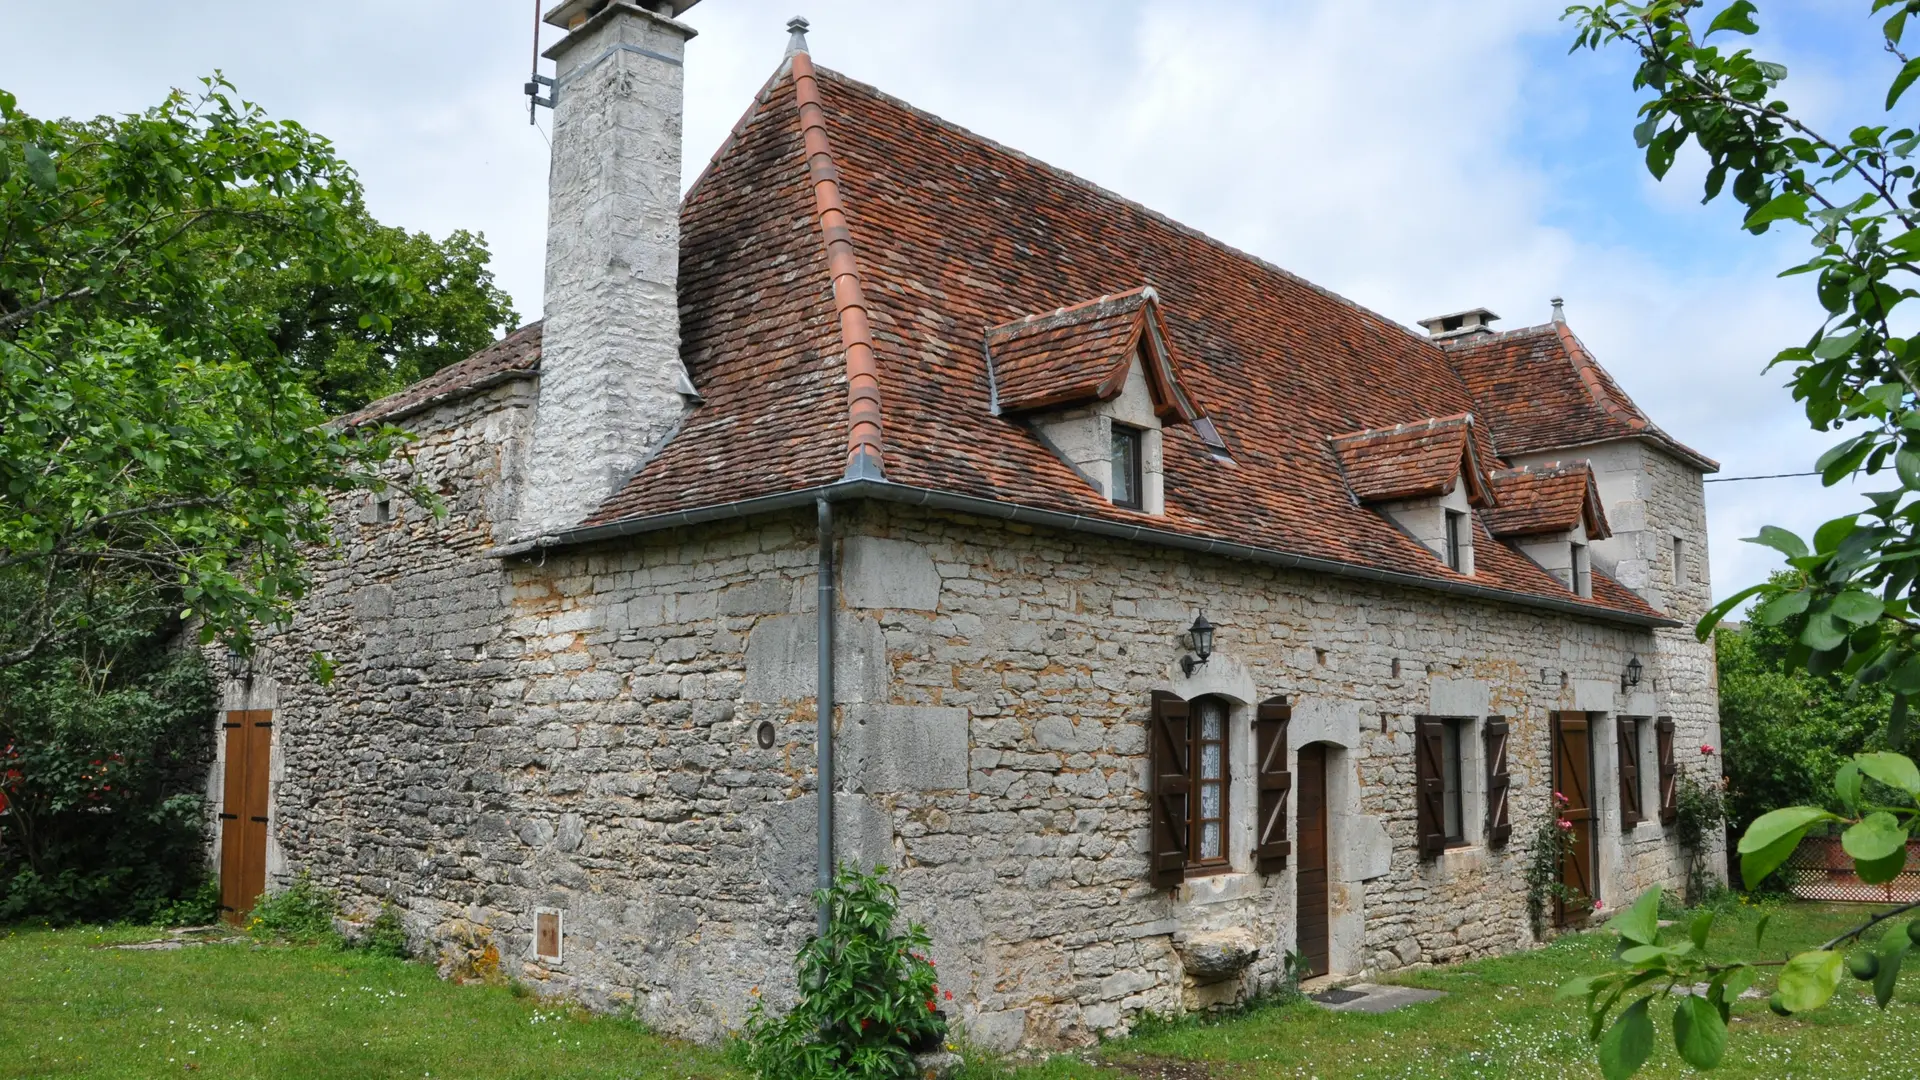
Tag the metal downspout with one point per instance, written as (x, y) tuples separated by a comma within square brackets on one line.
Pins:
[(823, 706)]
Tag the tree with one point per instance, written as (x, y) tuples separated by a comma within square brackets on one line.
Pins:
[(184, 292), (1852, 590)]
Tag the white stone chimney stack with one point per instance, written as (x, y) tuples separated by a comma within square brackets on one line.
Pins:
[(612, 385)]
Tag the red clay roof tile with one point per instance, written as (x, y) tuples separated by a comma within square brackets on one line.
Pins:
[(1546, 499), (515, 356), (1411, 461)]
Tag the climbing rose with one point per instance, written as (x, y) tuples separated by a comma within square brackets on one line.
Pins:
[(1564, 823), (1706, 748)]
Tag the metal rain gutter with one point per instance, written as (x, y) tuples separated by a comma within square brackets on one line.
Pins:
[(886, 491), (823, 709)]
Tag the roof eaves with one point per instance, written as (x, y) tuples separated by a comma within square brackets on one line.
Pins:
[(865, 428)]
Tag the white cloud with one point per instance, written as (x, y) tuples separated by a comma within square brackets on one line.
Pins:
[(1366, 144)]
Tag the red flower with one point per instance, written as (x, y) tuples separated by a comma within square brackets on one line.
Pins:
[(930, 1007), (865, 1023), (1706, 748), (949, 995)]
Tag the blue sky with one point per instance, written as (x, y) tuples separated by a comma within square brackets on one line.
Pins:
[(1417, 159)]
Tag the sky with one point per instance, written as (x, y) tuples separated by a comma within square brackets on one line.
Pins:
[(1418, 159)]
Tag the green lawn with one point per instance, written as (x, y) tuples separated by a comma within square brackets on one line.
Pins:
[(71, 1008)]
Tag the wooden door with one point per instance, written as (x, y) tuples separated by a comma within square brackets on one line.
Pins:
[(1311, 874), (1573, 778), (243, 811)]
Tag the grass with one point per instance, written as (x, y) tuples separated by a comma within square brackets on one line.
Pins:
[(70, 1007), (1501, 1020)]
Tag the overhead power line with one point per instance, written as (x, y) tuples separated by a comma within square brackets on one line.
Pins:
[(1769, 476)]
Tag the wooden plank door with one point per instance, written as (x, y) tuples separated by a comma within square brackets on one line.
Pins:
[(1573, 778), (243, 811), (1311, 875)]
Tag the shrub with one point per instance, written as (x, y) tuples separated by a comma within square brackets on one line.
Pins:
[(869, 997), (302, 914), (1552, 842), (201, 907), (104, 745), (386, 936)]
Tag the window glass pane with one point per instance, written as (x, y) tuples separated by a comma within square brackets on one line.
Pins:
[(1450, 778), (1126, 465), (1209, 801), (1210, 840), (1210, 761), (1213, 717)]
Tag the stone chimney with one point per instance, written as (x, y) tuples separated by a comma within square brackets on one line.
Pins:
[(612, 385), (1460, 324)]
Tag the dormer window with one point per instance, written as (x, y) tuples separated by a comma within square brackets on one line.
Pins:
[(1127, 485), (1457, 540)]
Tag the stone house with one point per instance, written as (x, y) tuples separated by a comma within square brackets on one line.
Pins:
[(1177, 613)]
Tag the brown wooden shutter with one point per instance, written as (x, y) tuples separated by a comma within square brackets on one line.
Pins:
[(1271, 846), (1430, 791), (1499, 782), (1167, 749), (1629, 773), (1669, 804)]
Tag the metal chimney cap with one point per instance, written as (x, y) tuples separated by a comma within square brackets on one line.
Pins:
[(570, 13)]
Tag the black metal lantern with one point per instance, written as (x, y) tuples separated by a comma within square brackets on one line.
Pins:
[(1632, 678), (1200, 637), (236, 664)]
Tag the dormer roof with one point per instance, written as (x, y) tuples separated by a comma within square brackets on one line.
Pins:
[(1080, 354), (1412, 461), (1545, 499)]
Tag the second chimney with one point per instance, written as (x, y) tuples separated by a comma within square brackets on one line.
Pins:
[(612, 384)]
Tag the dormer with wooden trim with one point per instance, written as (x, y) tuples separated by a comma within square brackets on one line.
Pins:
[(1551, 513), (1097, 383), (1425, 477)]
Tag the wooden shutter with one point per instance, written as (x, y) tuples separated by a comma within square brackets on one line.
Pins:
[(1669, 805), (1271, 846), (1167, 749), (1629, 772), (1499, 782), (1430, 792)]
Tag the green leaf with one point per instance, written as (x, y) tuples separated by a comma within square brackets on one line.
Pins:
[(1702, 926), (1908, 72), (1823, 632), (1893, 770), (1773, 836), (1628, 1042), (1578, 987), (1640, 923), (40, 169), (1738, 18), (1846, 784), (1907, 464), (1809, 980), (1760, 928), (1891, 951), (1787, 206), (1781, 608), (1711, 620), (1742, 977), (1698, 1032), (1832, 348), (1874, 837), (1640, 955), (1856, 607), (1779, 540), (1882, 870)]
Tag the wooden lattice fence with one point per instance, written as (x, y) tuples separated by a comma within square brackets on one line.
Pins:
[(1819, 870)]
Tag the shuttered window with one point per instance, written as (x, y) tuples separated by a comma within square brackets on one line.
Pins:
[(1275, 779), (1169, 742), (1429, 756), (1208, 845), (1669, 772), (1627, 733), (1499, 783)]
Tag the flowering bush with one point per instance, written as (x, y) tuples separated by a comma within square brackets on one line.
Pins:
[(869, 997), (1553, 841)]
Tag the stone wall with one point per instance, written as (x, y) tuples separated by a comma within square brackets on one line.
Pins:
[(581, 731)]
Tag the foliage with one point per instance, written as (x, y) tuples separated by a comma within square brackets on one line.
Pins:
[(104, 742), (1875, 839), (1786, 729), (1553, 841), (200, 907), (301, 914), (176, 286), (1857, 581), (1700, 808), (869, 996), (386, 935)]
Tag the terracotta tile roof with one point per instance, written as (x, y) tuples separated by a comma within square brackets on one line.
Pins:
[(1546, 499), (515, 356), (1083, 353), (1538, 388), (1411, 461), (956, 235)]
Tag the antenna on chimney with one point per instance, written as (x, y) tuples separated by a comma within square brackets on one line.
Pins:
[(537, 80)]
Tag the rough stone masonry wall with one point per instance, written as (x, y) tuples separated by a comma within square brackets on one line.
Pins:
[(579, 732)]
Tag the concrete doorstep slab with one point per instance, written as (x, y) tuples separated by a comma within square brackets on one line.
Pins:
[(1373, 998)]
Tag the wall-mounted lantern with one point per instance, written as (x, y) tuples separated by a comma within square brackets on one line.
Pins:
[(1200, 640), (236, 664), (1632, 678)]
